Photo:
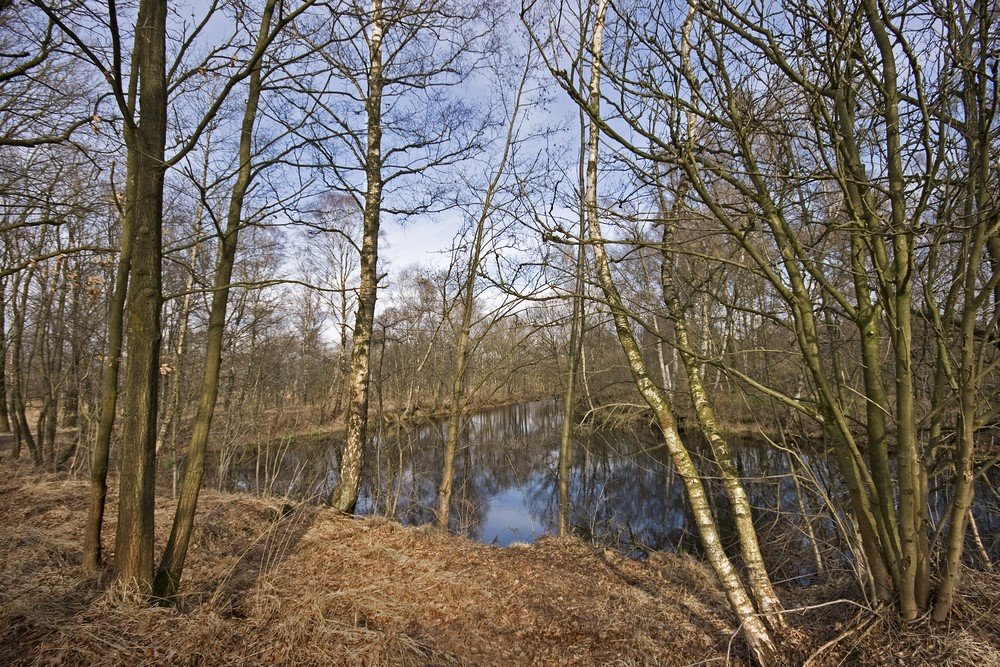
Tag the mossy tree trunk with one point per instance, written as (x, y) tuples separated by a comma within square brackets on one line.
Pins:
[(171, 567), (978, 209)]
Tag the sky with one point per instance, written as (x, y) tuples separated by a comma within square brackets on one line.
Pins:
[(425, 241)]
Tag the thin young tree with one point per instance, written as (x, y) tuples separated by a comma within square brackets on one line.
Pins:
[(467, 294), (171, 567)]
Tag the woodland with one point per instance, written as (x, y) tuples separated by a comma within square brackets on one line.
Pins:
[(748, 235)]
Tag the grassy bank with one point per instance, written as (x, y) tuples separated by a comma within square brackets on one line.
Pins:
[(268, 583)]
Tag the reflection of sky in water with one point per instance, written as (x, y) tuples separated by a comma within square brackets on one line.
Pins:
[(508, 519), (623, 490)]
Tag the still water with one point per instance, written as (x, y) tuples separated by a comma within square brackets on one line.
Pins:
[(624, 492)]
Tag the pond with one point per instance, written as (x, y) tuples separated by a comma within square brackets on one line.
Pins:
[(623, 490)]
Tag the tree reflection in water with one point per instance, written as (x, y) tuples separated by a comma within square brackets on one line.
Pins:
[(623, 491)]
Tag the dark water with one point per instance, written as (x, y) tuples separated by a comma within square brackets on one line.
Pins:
[(624, 491)]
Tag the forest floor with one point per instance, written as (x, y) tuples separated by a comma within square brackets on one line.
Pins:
[(268, 583)]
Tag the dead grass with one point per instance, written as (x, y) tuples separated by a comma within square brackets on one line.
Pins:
[(271, 584), (267, 583), (971, 637)]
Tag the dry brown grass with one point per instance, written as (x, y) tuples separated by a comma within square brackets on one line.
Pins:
[(270, 584), (265, 585), (971, 637)]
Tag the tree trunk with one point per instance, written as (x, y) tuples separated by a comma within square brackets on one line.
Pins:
[(168, 574), (757, 577), (575, 351), (172, 415), (22, 429), (144, 211), (914, 576), (876, 402), (978, 209), (4, 415), (754, 631), (468, 303), (108, 402), (344, 496)]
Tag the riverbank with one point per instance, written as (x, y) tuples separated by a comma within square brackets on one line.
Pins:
[(268, 583), (630, 415), (389, 418)]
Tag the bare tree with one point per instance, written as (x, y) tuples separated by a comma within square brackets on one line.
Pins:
[(789, 107), (467, 294), (756, 632), (387, 62)]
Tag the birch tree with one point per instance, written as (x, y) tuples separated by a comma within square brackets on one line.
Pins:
[(821, 150), (389, 65), (753, 626)]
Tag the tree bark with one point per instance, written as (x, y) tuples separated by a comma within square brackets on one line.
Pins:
[(344, 495), (171, 567), (575, 351), (144, 209)]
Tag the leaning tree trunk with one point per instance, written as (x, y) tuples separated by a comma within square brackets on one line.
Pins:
[(757, 577), (168, 574), (458, 381), (468, 303), (176, 378), (755, 632)]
